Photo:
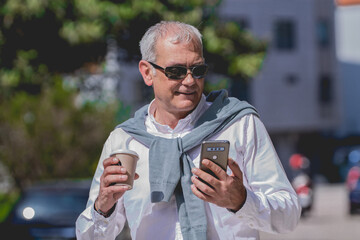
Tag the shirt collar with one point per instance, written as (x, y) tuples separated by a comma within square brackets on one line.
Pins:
[(184, 124)]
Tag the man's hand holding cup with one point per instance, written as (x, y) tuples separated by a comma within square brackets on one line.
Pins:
[(117, 178)]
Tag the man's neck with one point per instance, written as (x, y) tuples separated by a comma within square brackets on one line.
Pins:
[(168, 118)]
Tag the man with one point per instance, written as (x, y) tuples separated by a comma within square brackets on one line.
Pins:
[(168, 200)]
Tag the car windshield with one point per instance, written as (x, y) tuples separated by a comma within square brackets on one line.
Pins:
[(55, 206)]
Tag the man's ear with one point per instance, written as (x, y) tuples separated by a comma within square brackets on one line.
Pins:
[(146, 72)]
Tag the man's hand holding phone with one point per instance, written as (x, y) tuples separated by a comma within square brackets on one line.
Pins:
[(226, 191)]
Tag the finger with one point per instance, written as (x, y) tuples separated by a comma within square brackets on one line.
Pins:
[(203, 186), (136, 176), (114, 178), (198, 193), (119, 188), (110, 161), (216, 169), (117, 191), (235, 168), (206, 177), (114, 169)]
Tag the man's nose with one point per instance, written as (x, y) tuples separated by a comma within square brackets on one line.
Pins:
[(189, 80)]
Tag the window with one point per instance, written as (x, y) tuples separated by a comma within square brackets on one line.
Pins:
[(323, 35), (325, 90), (284, 34), (291, 79)]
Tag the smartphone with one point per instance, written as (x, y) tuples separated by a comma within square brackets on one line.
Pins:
[(216, 151)]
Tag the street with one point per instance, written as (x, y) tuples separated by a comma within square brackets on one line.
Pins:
[(328, 220)]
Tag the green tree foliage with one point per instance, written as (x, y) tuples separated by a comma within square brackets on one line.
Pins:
[(46, 136), (66, 34), (43, 133)]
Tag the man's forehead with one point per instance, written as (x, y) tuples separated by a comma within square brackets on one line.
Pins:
[(168, 43)]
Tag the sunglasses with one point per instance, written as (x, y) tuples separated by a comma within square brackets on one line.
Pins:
[(179, 72)]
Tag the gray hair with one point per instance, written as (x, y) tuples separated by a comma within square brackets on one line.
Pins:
[(179, 33)]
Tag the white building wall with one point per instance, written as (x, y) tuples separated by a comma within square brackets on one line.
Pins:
[(347, 23), (288, 107)]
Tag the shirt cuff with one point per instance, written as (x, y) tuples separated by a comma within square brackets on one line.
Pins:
[(249, 206), (101, 221), (106, 215)]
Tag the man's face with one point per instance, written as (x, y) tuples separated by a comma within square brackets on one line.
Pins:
[(177, 97)]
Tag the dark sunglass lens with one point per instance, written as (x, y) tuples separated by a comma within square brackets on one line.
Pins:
[(200, 71), (175, 72)]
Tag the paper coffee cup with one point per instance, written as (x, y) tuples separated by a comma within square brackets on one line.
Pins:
[(127, 159)]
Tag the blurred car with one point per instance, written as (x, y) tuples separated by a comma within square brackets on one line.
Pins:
[(354, 197), (47, 211), (302, 182), (345, 158), (348, 159), (353, 185)]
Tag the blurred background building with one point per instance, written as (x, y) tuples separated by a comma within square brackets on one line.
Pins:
[(306, 92)]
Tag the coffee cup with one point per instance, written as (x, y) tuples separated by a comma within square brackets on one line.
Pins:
[(127, 159)]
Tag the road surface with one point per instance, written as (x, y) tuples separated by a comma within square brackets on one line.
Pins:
[(329, 219)]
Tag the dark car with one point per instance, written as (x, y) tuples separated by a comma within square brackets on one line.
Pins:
[(47, 211), (354, 197), (345, 158), (353, 185)]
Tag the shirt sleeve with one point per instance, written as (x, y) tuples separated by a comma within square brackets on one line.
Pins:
[(90, 224), (271, 204)]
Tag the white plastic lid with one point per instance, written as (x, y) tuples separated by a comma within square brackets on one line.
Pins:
[(125, 151)]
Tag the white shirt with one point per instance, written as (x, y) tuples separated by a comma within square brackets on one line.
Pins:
[(271, 204)]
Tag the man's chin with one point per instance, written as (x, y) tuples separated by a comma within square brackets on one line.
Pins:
[(187, 106)]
